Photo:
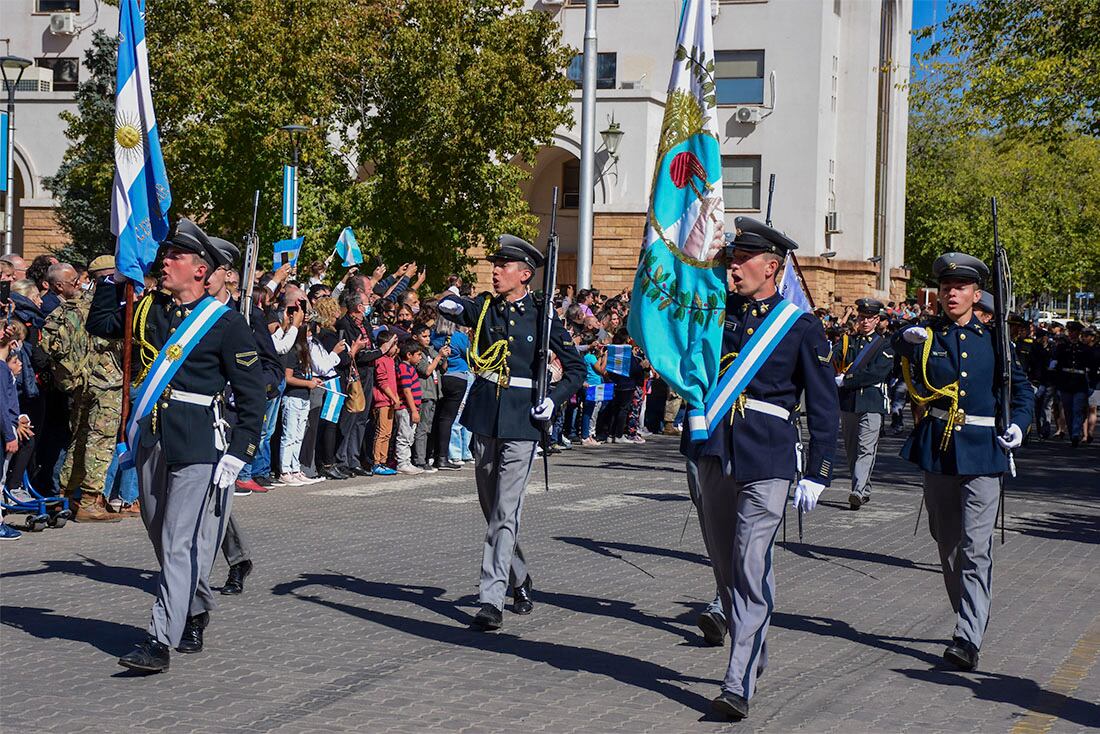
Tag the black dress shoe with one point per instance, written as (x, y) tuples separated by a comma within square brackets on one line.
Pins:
[(488, 618), (713, 628), (357, 471), (191, 641), (962, 654), (449, 466), (855, 501), (522, 603), (149, 656), (731, 705), (331, 472), (237, 574)]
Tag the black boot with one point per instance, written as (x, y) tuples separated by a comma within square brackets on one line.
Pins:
[(522, 603), (962, 654), (731, 705), (192, 633), (237, 574), (488, 618), (149, 656)]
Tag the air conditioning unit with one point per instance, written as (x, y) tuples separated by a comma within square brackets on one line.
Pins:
[(63, 24), (832, 223), (749, 115), (35, 79), (553, 2)]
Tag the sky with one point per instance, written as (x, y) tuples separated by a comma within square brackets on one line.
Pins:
[(926, 12)]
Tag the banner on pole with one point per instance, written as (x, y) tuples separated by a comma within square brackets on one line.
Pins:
[(290, 196), (3, 151)]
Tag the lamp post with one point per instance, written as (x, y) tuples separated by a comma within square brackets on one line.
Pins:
[(15, 65), (588, 149), (611, 137), (293, 131)]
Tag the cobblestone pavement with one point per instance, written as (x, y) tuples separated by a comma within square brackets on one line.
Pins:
[(356, 618)]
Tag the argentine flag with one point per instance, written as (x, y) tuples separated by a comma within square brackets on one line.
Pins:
[(348, 248), (791, 287), (286, 251), (141, 197), (678, 305)]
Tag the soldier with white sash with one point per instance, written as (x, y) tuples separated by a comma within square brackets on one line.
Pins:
[(187, 347)]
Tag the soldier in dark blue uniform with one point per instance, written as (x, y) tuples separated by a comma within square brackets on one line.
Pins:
[(502, 414), (1072, 366), (749, 461), (863, 362), (949, 367), (187, 458)]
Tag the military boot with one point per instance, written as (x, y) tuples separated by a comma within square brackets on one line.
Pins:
[(93, 508)]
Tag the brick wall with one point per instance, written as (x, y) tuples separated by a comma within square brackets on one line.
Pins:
[(616, 242), (41, 232), (840, 282)]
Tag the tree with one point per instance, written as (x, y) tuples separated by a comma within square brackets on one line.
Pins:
[(1026, 68)]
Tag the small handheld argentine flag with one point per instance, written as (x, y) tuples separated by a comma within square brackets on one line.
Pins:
[(286, 251), (618, 359), (600, 393), (348, 248)]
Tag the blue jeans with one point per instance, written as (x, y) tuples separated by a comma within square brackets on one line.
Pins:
[(1075, 408), (125, 481), (261, 462), (459, 449), (295, 418), (587, 412)]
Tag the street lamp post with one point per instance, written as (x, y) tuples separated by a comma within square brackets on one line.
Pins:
[(15, 64), (293, 131), (588, 149)]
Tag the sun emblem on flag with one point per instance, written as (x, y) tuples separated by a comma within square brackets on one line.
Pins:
[(128, 137)]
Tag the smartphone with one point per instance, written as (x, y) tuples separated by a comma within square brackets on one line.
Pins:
[(5, 291)]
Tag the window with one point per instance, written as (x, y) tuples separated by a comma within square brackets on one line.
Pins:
[(605, 70), (739, 77), (741, 182), (571, 184), (56, 6), (66, 72)]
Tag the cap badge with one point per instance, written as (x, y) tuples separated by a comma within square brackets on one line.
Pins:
[(952, 265)]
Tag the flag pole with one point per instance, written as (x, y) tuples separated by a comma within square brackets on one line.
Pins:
[(802, 278)]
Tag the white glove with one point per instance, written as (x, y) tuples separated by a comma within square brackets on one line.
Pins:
[(1012, 438), (543, 410), (915, 335), (450, 307), (806, 494), (225, 473), (840, 380)]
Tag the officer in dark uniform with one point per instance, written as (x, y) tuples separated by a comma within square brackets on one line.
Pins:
[(1071, 366), (502, 414), (747, 464), (949, 368), (863, 361), (187, 460)]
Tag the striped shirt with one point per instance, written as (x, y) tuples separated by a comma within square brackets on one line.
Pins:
[(407, 377)]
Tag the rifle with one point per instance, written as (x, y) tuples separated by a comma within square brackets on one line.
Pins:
[(251, 251), (546, 323), (1002, 348)]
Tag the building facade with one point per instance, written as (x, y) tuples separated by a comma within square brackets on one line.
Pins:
[(812, 91)]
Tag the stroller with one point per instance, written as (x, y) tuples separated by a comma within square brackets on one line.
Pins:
[(41, 511)]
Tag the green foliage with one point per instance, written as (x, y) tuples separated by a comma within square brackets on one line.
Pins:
[(1026, 68)]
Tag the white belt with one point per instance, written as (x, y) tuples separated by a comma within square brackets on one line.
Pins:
[(963, 419), (761, 406), (1073, 371), (494, 377), (182, 396), (221, 426)]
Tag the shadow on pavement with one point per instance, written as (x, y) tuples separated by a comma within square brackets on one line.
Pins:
[(111, 638), (617, 609), (1076, 526), (628, 670), (138, 578), (825, 553), (608, 548)]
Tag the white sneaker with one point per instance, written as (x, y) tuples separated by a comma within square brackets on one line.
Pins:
[(458, 462), (410, 469), (303, 479), (291, 480)]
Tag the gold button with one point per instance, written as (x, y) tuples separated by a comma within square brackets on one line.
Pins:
[(958, 428), (962, 393), (511, 308), (754, 312), (964, 355), (511, 338), (963, 373), (511, 323), (748, 330), (178, 312), (164, 405), (962, 336), (172, 330)]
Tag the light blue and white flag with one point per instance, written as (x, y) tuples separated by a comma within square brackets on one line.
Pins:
[(600, 393), (286, 251), (333, 402), (618, 359), (791, 287), (290, 196), (3, 151), (679, 302), (347, 248), (141, 197)]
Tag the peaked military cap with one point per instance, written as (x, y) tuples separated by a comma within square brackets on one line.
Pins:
[(753, 236), (961, 266), (214, 250), (870, 306), (985, 303), (513, 249)]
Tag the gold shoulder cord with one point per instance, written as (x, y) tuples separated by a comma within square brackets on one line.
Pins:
[(842, 368), (495, 358), (148, 351), (738, 405), (949, 391)]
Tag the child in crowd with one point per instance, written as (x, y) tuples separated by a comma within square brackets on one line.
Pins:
[(9, 413), (408, 406), (431, 368), (385, 404)]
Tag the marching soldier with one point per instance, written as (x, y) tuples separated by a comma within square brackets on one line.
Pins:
[(187, 346), (863, 362), (502, 415), (1072, 365), (949, 368), (749, 461)]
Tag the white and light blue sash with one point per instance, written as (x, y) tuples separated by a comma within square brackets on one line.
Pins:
[(736, 378), (172, 355)]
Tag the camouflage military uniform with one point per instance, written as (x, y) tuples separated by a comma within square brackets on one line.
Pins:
[(89, 368)]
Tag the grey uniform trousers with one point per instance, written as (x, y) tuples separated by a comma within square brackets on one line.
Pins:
[(740, 521), (235, 545), (861, 432), (962, 511), (696, 495), (501, 468), (177, 507)]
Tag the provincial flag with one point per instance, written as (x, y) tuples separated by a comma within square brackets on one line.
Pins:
[(678, 308), (791, 287), (348, 248), (290, 196), (286, 251), (140, 197)]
